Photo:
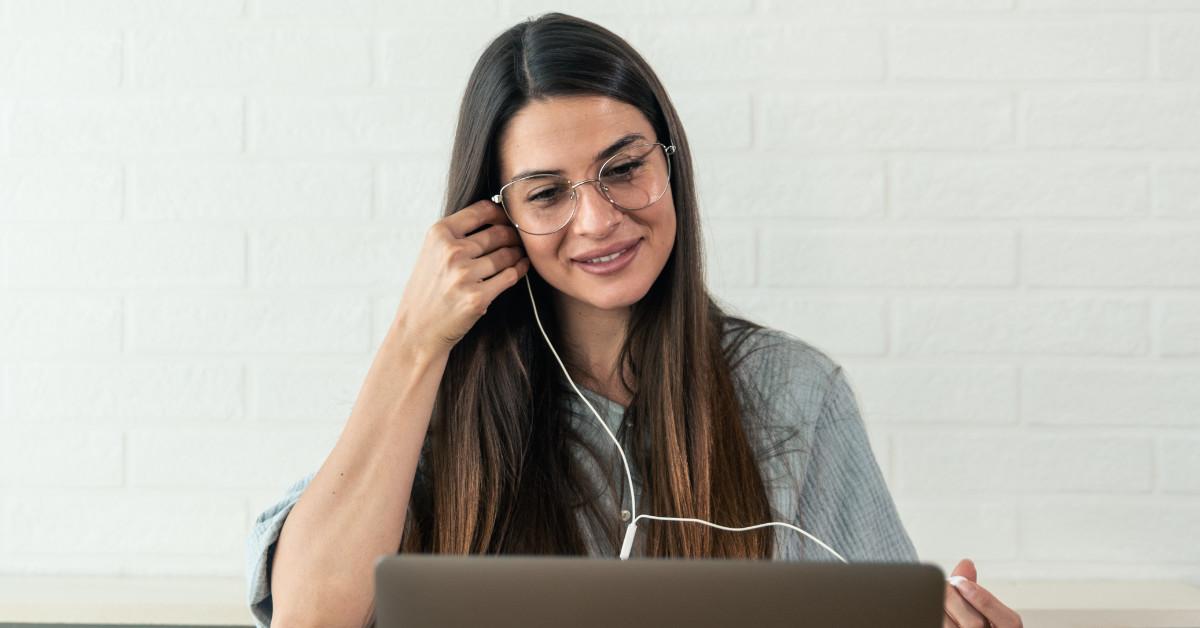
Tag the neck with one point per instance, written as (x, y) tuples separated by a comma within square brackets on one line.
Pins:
[(595, 337)]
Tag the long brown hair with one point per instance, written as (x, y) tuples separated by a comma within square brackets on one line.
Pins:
[(496, 472)]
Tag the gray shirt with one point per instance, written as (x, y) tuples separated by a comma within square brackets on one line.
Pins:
[(818, 466)]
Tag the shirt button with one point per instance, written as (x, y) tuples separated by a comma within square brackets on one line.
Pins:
[(625, 515)]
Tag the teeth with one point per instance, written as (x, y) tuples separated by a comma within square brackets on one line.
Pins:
[(606, 258)]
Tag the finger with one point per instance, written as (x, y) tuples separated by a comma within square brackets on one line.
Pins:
[(504, 280), (485, 267), (473, 216), (961, 611), (988, 605), (494, 237), (947, 622), (966, 569)]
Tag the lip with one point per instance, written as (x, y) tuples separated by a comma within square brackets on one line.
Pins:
[(593, 254), (612, 266)]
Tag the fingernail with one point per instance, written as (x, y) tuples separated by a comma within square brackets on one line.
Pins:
[(964, 586)]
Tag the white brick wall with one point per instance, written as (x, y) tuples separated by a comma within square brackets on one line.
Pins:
[(987, 210)]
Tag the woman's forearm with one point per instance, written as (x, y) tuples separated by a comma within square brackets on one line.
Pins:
[(353, 509)]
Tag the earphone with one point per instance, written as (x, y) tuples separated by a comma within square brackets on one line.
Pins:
[(631, 529)]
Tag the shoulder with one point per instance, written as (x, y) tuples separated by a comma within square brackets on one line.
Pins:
[(789, 377)]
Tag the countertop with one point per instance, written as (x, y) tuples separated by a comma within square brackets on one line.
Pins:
[(179, 601)]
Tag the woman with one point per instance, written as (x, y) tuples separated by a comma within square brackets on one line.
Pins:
[(467, 437)]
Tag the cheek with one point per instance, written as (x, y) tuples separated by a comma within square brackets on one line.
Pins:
[(666, 226), (542, 254)]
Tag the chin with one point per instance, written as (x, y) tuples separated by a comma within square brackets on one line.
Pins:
[(617, 296), (614, 302)]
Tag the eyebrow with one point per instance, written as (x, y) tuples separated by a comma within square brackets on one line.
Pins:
[(602, 155)]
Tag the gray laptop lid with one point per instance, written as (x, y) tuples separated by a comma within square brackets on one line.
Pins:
[(427, 591)]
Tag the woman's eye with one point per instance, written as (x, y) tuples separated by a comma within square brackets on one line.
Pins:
[(545, 195), (625, 168)]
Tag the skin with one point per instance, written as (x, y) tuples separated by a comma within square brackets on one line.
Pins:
[(566, 133), (969, 605)]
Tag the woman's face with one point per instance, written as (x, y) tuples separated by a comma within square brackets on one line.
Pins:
[(567, 133)]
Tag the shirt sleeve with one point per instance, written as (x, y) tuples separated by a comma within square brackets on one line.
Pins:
[(844, 500), (260, 550)]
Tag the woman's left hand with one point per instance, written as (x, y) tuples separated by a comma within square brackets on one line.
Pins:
[(969, 605)]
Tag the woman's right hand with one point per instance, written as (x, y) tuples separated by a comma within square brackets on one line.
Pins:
[(457, 276)]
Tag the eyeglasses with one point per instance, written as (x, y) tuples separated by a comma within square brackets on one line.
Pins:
[(632, 179)]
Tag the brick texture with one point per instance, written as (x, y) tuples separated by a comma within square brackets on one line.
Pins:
[(988, 211)]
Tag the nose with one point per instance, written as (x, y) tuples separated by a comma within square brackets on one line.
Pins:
[(595, 216)]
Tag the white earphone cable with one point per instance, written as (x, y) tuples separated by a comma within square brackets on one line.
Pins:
[(753, 527), (631, 529), (538, 319)]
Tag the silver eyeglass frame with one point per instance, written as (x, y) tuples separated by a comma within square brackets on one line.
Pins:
[(498, 197)]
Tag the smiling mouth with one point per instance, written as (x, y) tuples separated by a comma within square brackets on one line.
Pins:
[(611, 263), (608, 258)]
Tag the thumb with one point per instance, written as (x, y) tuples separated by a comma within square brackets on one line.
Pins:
[(966, 569)]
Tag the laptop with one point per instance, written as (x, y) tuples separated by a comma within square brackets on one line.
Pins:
[(434, 591)]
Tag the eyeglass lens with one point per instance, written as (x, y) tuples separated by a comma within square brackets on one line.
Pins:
[(632, 179)]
